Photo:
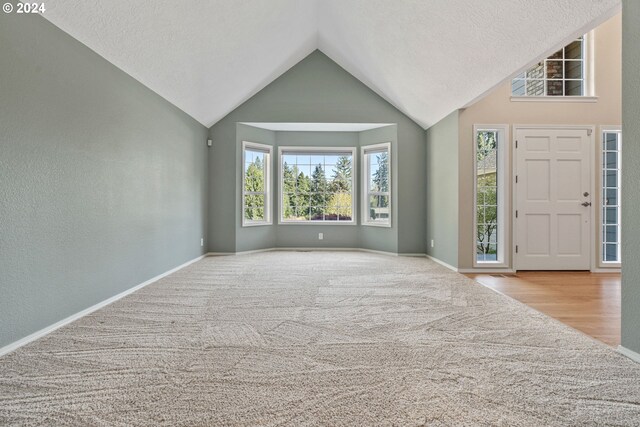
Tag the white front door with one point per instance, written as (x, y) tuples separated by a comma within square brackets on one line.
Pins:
[(553, 200)]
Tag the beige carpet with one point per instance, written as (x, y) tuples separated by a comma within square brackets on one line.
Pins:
[(317, 338)]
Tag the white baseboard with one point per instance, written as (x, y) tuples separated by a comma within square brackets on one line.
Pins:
[(449, 266), (488, 270), (629, 353), (254, 251), (607, 270), (309, 249), (44, 331)]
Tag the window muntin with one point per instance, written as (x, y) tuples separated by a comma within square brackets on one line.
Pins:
[(377, 181), (561, 74), (317, 185), (256, 178), (490, 190), (611, 148)]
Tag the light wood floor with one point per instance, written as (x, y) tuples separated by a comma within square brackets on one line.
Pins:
[(589, 302)]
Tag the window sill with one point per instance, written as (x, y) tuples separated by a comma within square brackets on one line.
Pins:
[(256, 224), (489, 264), (374, 224), (554, 99), (610, 265), (322, 223)]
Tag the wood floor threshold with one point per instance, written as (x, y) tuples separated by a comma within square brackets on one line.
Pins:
[(588, 302)]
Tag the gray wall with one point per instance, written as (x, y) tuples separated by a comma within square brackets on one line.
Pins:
[(381, 238), (630, 174), (256, 237), (317, 90), (102, 182), (442, 189)]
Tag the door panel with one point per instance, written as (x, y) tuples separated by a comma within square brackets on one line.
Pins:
[(553, 167)]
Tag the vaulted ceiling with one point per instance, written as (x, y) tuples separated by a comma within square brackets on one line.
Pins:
[(426, 57)]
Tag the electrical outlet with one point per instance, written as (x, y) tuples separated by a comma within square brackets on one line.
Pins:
[(202, 241), (320, 236), (432, 243)]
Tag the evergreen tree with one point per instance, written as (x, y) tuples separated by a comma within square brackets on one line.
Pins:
[(254, 182), (318, 190), (342, 175), (289, 189), (302, 202), (381, 176)]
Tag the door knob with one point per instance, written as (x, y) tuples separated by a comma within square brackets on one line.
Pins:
[(585, 194), (585, 204)]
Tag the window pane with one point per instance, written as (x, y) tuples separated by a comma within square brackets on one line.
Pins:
[(554, 70), (573, 88), (561, 74), (535, 87), (611, 215), (517, 87), (346, 215), (317, 160), (611, 160), (378, 172), (611, 234), (611, 252), (610, 197), (339, 204), (314, 189), (254, 171), (379, 208), (573, 69), (254, 207), (487, 196), (557, 55), (555, 87), (573, 50), (303, 159), (536, 72)]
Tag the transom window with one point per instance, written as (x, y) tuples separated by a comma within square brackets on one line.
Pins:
[(611, 147), (377, 181), (256, 178), (490, 191), (317, 185), (561, 74)]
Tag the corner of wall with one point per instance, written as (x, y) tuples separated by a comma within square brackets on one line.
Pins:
[(442, 140)]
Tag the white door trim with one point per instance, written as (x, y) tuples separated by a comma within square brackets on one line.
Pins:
[(591, 129)]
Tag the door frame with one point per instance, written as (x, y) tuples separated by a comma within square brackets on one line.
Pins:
[(591, 133)]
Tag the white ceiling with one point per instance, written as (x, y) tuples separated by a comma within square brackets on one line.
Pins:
[(426, 57), (317, 127)]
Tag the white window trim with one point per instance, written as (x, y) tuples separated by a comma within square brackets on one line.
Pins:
[(601, 262), (298, 149), (547, 98), (268, 149), (504, 188), (365, 185), (588, 58)]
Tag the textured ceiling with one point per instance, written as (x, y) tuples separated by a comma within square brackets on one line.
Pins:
[(426, 57)]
